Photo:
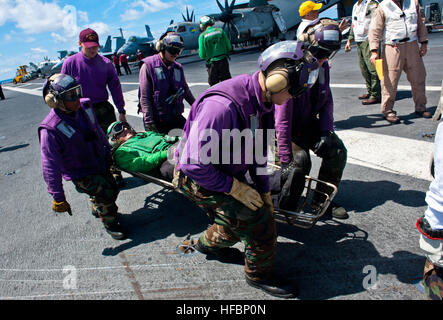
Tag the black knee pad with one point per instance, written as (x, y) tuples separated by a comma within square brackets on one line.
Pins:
[(292, 189), (303, 161)]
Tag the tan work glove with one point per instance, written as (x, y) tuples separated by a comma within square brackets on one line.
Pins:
[(62, 206), (246, 195), (266, 197)]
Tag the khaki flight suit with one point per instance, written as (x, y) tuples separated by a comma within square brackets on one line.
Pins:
[(400, 57)]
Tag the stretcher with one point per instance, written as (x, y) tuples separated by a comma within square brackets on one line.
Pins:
[(305, 215)]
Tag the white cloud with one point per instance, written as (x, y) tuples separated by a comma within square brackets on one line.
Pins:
[(4, 12), (139, 8), (35, 16), (83, 16), (99, 27), (39, 50), (58, 38)]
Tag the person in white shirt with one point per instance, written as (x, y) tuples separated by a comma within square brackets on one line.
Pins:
[(308, 11), (430, 226), (361, 19)]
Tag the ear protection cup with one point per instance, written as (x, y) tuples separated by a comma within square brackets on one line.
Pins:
[(303, 37), (277, 80), (159, 46), (50, 98), (51, 101)]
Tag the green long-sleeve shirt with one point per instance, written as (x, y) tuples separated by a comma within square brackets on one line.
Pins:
[(213, 45), (143, 152)]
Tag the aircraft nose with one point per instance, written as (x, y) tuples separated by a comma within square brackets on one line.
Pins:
[(126, 49)]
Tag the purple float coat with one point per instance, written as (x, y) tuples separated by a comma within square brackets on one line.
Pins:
[(94, 75), (65, 151), (156, 82), (296, 114), (218, 112)]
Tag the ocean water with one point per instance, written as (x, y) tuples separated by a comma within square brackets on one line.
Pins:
[(6, 81)]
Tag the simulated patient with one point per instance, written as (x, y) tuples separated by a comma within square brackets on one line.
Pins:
[(148, 152), (143, 152)]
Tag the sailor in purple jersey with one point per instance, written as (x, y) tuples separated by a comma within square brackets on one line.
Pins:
[(96, 74), (307, 122), (241, 212), (163, 87), (74, 147)]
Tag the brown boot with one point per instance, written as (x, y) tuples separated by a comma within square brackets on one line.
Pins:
[(424, 114), (363, 96), (392, 117)]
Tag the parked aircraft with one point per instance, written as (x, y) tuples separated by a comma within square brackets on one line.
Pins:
[(433, 10), (119, 41), (188, 29), (256, 21), (64, 54), (45, 67), (134, 43)]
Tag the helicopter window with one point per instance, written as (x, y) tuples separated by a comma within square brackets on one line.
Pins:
[(181, 29), (170, 29), (131, 39)]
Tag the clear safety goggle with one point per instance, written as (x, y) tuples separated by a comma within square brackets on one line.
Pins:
[(71, 94), (173, 50), (119, 127), (322, 53)]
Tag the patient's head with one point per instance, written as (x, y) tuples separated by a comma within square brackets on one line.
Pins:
[(119, 132), (125, 135)]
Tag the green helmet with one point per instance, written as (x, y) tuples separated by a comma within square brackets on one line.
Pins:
[(114, 129), (206, 21)]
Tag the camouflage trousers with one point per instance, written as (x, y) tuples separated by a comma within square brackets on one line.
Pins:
[(233, 222), (433, 281), (103, 192)]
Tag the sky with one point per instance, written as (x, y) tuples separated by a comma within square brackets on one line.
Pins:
[(31, 30)]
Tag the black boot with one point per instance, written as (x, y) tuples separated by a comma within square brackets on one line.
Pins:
[(337, 211), (227, 255), (275, 286), (116, 231)]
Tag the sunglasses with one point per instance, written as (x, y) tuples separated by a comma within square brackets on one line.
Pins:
[(175, 51), (72, 94)]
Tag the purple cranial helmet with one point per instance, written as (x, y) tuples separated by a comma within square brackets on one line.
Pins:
[(61, 87), (324, 38), (173, 39), (172, 42), (287, 65)]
